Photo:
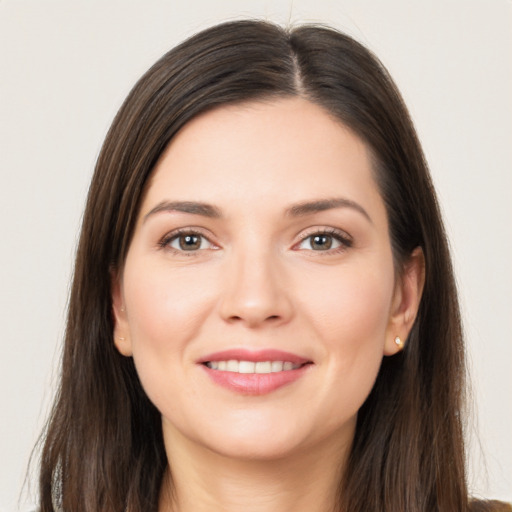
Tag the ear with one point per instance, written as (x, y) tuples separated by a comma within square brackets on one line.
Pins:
[(406, 301), (121, 333)]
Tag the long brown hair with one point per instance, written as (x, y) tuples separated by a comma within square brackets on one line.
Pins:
[(103, 447)]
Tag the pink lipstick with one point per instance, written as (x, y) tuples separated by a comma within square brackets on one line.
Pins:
[(254, 372)]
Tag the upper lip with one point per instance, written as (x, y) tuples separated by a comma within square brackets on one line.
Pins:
[(242, 354)]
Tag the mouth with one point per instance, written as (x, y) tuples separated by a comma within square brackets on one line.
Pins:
[(254, 372), (232, 365)]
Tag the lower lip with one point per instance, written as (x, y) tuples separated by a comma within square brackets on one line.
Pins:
[(255, 383)]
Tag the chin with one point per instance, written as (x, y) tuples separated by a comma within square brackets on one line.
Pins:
[(244, 437), (265, 440), (257, 447)]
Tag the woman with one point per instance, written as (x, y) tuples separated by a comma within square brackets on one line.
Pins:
[(263, 313)]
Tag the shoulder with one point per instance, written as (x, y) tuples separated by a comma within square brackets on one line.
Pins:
[(489, 506)]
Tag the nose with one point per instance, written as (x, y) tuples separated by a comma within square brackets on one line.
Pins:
[(255, 292)]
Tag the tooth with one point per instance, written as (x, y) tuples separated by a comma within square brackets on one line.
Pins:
[(246, 367), (250, 367), (231, 365), (263, 367), (277, 366)]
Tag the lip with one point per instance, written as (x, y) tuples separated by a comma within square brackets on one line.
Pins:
[(255, 383), (255, 356)]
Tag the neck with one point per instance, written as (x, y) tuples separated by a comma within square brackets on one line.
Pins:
[(200, 480)]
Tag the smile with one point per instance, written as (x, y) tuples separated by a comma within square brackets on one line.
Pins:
[(259, 372), (232, 365)]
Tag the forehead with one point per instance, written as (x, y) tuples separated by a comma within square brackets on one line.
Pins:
[(280, 151)]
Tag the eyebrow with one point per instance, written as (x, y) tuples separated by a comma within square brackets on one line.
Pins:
[(195, 208), (320, 205), (297, 210)]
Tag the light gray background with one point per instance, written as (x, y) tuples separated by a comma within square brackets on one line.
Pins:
[(65, 67)]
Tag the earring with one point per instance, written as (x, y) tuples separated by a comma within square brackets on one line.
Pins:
[(399, 343), (122, 339)]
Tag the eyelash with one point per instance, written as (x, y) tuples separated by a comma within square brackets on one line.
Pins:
[(343, 238), (165, 242)]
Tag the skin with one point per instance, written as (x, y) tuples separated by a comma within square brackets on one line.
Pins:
[(257, 281)]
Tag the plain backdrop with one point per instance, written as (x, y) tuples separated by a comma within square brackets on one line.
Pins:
[(65, 68)]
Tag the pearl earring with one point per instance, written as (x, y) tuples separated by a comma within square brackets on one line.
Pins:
[(399, 343)]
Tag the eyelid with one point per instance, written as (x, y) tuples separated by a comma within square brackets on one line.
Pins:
[(345, 239), (341, 236), (328, 230), (164, 241)]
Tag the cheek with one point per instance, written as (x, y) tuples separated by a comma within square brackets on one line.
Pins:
[(351, 317), (164, 307), (353, 306), (166, 312)]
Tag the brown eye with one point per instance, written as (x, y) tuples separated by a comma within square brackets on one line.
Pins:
[(325, 241), (321, 242), (189, 242)]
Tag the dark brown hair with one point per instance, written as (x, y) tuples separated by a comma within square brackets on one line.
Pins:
[(103, 447)]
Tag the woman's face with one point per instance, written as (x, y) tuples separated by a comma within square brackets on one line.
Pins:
[(258, 295)]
